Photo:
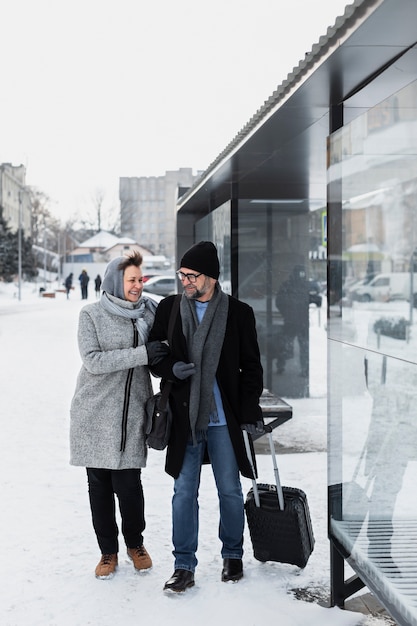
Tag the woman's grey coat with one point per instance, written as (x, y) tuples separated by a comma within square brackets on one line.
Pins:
[(105, 342)]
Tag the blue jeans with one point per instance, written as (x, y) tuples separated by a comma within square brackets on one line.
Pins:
[(185, 499)]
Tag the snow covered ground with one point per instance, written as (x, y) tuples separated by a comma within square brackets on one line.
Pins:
[(49, 551)]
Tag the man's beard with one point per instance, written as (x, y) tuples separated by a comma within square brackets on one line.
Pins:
[(195, 295)]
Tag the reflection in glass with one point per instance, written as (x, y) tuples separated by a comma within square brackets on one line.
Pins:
[(372, 335), (292, 301), (281, 274), (216, 227), (378, 444)]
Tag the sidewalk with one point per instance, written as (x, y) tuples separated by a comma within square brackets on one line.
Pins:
[(291, 438), (369, 605)]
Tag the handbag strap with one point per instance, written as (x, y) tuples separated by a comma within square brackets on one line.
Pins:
[(173, 316)]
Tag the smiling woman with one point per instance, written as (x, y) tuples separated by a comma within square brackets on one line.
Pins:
[(108, 409)]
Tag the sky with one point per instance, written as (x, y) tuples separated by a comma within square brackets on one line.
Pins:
[(49, 550), (95, 90)]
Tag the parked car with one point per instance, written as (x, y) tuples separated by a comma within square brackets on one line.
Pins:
[(146, 277), (161, 285), (385, 287), (350, 288)]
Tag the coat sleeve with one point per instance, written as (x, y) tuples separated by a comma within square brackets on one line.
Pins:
[(159, 332), (251, 371), (97, 360)]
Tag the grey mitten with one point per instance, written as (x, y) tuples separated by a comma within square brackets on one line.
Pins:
[(183, 370), (156, 351)]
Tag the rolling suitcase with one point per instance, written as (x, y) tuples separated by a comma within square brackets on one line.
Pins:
[(278, 518)]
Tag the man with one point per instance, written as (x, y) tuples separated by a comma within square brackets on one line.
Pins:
[(292, 300), (84, 279), (217, 381)]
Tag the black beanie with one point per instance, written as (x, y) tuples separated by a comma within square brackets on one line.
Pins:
[(202, 257)]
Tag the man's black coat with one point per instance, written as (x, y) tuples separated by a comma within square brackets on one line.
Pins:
[(239, 376)]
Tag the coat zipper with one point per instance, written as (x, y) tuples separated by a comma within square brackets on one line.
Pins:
[(127, 391)]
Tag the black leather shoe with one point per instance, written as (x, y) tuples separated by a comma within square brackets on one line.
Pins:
[(180, 580), (232, 570)]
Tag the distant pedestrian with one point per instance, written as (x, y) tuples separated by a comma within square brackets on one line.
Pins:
[(68, 284), (84, 278), (97, 284)]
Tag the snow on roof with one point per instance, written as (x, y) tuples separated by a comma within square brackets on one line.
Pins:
[(102, 239), (126, 240)]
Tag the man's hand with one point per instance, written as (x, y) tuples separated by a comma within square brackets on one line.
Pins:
[(254, 429), (183, 370)]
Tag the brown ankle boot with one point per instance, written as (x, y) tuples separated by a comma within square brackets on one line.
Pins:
[(140, 557), (107, 566)]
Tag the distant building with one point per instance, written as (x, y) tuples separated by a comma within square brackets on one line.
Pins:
[(95, 253), (148, 208), (104, 247), (14, 197)]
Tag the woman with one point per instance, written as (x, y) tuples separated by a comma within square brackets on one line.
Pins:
[(107, 410), (68, 284), (97, 285)]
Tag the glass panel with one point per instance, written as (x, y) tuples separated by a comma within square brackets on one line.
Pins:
[(378, 195), (373, 457), (373, 339), (216, 227), (284, 282)]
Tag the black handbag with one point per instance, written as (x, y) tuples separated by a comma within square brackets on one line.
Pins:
[(157, 409), (159, 419)]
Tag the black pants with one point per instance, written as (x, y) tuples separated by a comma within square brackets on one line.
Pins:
[(103, 484)]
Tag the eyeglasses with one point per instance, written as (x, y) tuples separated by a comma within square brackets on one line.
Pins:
[(190, 277)]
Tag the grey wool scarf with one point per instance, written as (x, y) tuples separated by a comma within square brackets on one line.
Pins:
[(143, 312), (204, 343)]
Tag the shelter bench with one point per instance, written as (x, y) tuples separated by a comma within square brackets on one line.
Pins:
[(388, 569), (275, 411)]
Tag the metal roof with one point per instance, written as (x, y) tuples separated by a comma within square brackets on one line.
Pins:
[(283, 143)]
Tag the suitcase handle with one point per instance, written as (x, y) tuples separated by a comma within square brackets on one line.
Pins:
[(268, 432), (249, 455)]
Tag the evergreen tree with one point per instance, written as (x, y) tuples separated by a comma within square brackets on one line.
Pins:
[(29, 269), (7, 263), (9, 254)]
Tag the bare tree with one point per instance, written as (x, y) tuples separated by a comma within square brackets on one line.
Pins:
[(98, 199), (109, 217)]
